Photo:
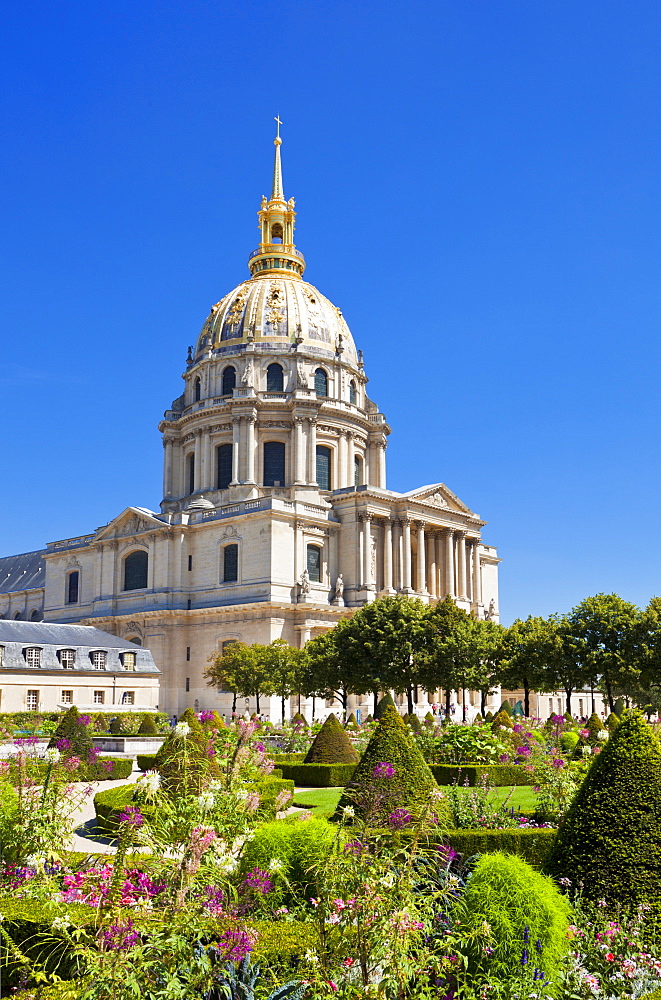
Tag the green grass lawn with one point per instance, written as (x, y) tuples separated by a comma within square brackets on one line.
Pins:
[(322, 801)]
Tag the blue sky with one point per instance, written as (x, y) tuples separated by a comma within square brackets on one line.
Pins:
[(478, 189)]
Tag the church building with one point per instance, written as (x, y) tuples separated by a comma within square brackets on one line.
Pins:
[(276, 519)]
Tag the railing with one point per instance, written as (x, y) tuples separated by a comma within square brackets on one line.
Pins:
[(280, 248)]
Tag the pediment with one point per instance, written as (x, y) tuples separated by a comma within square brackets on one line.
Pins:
[(438, 495), (132, 521)]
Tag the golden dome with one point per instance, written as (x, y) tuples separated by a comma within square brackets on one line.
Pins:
[(277, 310)]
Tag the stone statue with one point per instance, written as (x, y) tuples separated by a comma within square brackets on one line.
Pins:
[(301, 377), (339, 587), (490, 613), (246, 378), (305, 582)]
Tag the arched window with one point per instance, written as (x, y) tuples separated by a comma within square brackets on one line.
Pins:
[(357, 470), (72, 587), (314, 563), (274, 463), (321, 382), (67, 658), (17, 616), (224, 465), (35, 616), (230, 563), (135, 570), (276, 233), (274, 378), (352, 392), (229, 381), (198, 389), (190, 472), (323, 467)]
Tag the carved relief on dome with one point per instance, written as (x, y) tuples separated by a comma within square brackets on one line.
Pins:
[(275, 311), (232, 324)]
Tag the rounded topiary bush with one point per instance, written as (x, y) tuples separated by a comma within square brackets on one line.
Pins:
[(331, 745), (72, 736), (619, 708), (609, 841), (147, 726), (526, 912), (568, 741), (300, 845), (410, 784), (383, 705)]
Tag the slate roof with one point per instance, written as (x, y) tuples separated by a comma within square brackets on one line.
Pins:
[(25, 571), (61, 635)]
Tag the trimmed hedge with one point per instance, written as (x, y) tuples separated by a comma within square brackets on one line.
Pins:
[(121, 768), (534, 846), (318, 775), (287, 758), (498, 774), (146, 761)]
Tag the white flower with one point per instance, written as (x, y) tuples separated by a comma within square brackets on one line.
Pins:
[(602, 735), (59, 924), (206, 801), (52, 756), (275, 865), (241, 794), (586, 751), (348, 812), (181, 729), (226, 863), (216, 785), (35, 861), (311, 957), (150, 781)]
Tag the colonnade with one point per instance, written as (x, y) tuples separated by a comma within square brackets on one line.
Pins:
[(354, 456), (419, 558)]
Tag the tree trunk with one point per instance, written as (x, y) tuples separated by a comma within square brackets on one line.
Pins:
[(568, 692), (409, 699), (609, 694), (314, 706), (233, 702), (447, 702), (526, 698), (257, 702), (483, 702), (282, 706), (592, 696), (463, 700), (376, 702), (345, 701)]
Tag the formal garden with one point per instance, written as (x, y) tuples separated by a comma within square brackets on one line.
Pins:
[(405, 858)]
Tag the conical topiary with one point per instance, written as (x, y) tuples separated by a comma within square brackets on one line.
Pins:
[(370, 718), (72, 736), (382, 706), (147, 726), (478, 718), (612, 722), (429, 717), (619, 708), (506, 707), (391, 747), (351, 722), (299, 720), (183, 761), (609, 841), (413, 722), (594, 725), (189, 715), (489, 717), (569, 718), (331, 745), (212, 720), (502, 721)]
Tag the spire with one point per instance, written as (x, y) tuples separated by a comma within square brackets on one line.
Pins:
[(276, 253), (277, 193)]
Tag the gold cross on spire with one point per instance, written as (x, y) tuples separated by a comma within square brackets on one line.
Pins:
[(277, 119)]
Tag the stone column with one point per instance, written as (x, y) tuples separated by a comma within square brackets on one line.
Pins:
[(167, 467), (477, 573), (449, 563), (406, 554), (431, 564), (461, 565), (342, 479), (368, 575), (387, 556), (250, 448), (382, 465), (351, 459), (299, 453), (421, 569), (236, 440), (312, 451)]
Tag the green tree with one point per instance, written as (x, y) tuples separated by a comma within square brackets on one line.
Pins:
[(239, 668), (605, 634), (283, 665), (324, 673), (524, 655)]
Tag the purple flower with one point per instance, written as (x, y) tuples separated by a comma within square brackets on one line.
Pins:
[(383, 770), (524, 957), (558, 762), (447, 853), (524, 751), (399, 818), (63, 744), (504, 758), (131, 816), (355, 847), (258, 879), (120, 937), (235, 944), (206, 716), (84, 720), (108, 765)]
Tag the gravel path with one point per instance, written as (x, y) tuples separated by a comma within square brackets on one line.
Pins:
[(85, 837)]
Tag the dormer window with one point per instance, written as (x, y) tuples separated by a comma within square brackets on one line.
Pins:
[(67, 658), (128, 660), (98, 658), (33, 656)]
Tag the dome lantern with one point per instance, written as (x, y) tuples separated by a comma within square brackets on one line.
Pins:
[(276, 253)]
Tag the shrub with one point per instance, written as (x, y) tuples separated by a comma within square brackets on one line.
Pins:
[(110, 803), (568, 741), (619, 708), (148, 726), (351, 721), (506, 708), (594, 725), (183, 762), (610, 837), (413, 722), (569, 718), (612, 722), (383, 705), (318, 775), (108, 769), (299, 720), (412, 780), (269, 788), (331, 745), (147, 761), (489, 717), (299, 845), (497, 774), (76, 734), (478, 717), (527, 914), (533, 845), (100, 722), (212, 720), (502, 721), (288, 758)]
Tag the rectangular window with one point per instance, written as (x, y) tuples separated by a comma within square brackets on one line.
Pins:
[(188, 683), (188, 652), (224, 466), (72, 587), (314, 563), (128, 661), (99, 697), (230, 564), (190, 563), (33, 656), (33, 700), (128, 698), (67, 698), (98, 658), (68, 658), (2, 656), (274, 463)]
